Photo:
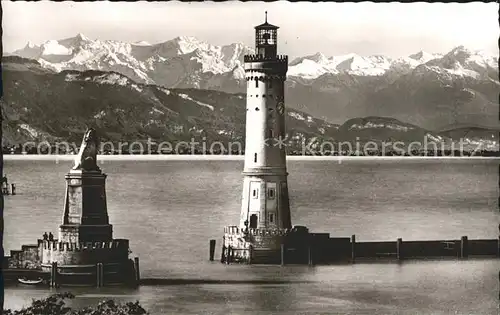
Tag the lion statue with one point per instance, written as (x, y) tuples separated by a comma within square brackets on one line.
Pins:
[(87, 156)]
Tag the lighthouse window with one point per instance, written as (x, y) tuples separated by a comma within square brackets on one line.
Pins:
[(271, 133), (256, 82), (255, 194), (271, 218), (271, 193), (255, 158)]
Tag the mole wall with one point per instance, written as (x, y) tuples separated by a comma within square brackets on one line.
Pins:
[(88, 253)]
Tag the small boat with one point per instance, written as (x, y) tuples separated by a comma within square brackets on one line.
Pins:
[(30, 282)]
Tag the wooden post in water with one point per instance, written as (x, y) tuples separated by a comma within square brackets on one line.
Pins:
[(399, 248), (228, 255), (137, 271), (464, 250), (223, 253), (498, 247), (98, 269), (102, 275), (212, 250), (250, 253), (282, 254), (309, 254), (97, 275), (498, 243), (353, 248), (51, 281), (53, 275)]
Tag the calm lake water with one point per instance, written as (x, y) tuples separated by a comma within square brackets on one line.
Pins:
[(170, 209)]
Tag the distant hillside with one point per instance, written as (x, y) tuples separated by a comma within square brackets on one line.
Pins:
[(472, 133), (42, 105)]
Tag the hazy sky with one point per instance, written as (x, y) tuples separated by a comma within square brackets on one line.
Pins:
[(393, 29)]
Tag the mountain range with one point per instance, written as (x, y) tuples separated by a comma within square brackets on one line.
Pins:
[(430, 90), (436, 92), (44, 105)]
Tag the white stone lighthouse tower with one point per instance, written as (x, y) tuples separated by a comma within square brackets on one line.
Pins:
[(265, 193), (265, 210)]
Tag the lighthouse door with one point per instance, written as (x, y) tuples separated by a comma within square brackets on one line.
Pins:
[(253, 221)]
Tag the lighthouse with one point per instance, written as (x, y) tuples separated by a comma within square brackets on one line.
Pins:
[(265, 192), (265, 208)]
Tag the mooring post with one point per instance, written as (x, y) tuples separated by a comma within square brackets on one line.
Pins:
[(464, 247), (97, 275), (250, 253), (228, 255), (498, 247), (51, 281), (212, 250), (98, 269), (399, 248), (223, 253), (282, 250), (309, 255), (353, 248), (102, 275), (137, 270), (498, 242), (54, 274)]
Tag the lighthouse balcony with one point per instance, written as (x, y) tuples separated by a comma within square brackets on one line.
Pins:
[(260, 58), (236, 230), (271, 65)]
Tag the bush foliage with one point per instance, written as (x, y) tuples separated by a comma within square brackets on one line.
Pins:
[(55, 305)]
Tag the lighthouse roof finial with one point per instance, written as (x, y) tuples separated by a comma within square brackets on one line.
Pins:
[(266, 25)]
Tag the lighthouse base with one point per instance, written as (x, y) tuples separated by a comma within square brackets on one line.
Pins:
[(271, 246), (252, 245)]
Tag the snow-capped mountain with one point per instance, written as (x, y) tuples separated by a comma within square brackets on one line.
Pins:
[(181, 62), (311, 67), (188, 62), (426, 89), (458, 62)]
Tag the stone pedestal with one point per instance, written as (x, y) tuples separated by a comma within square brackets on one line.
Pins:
[(85, 216)]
